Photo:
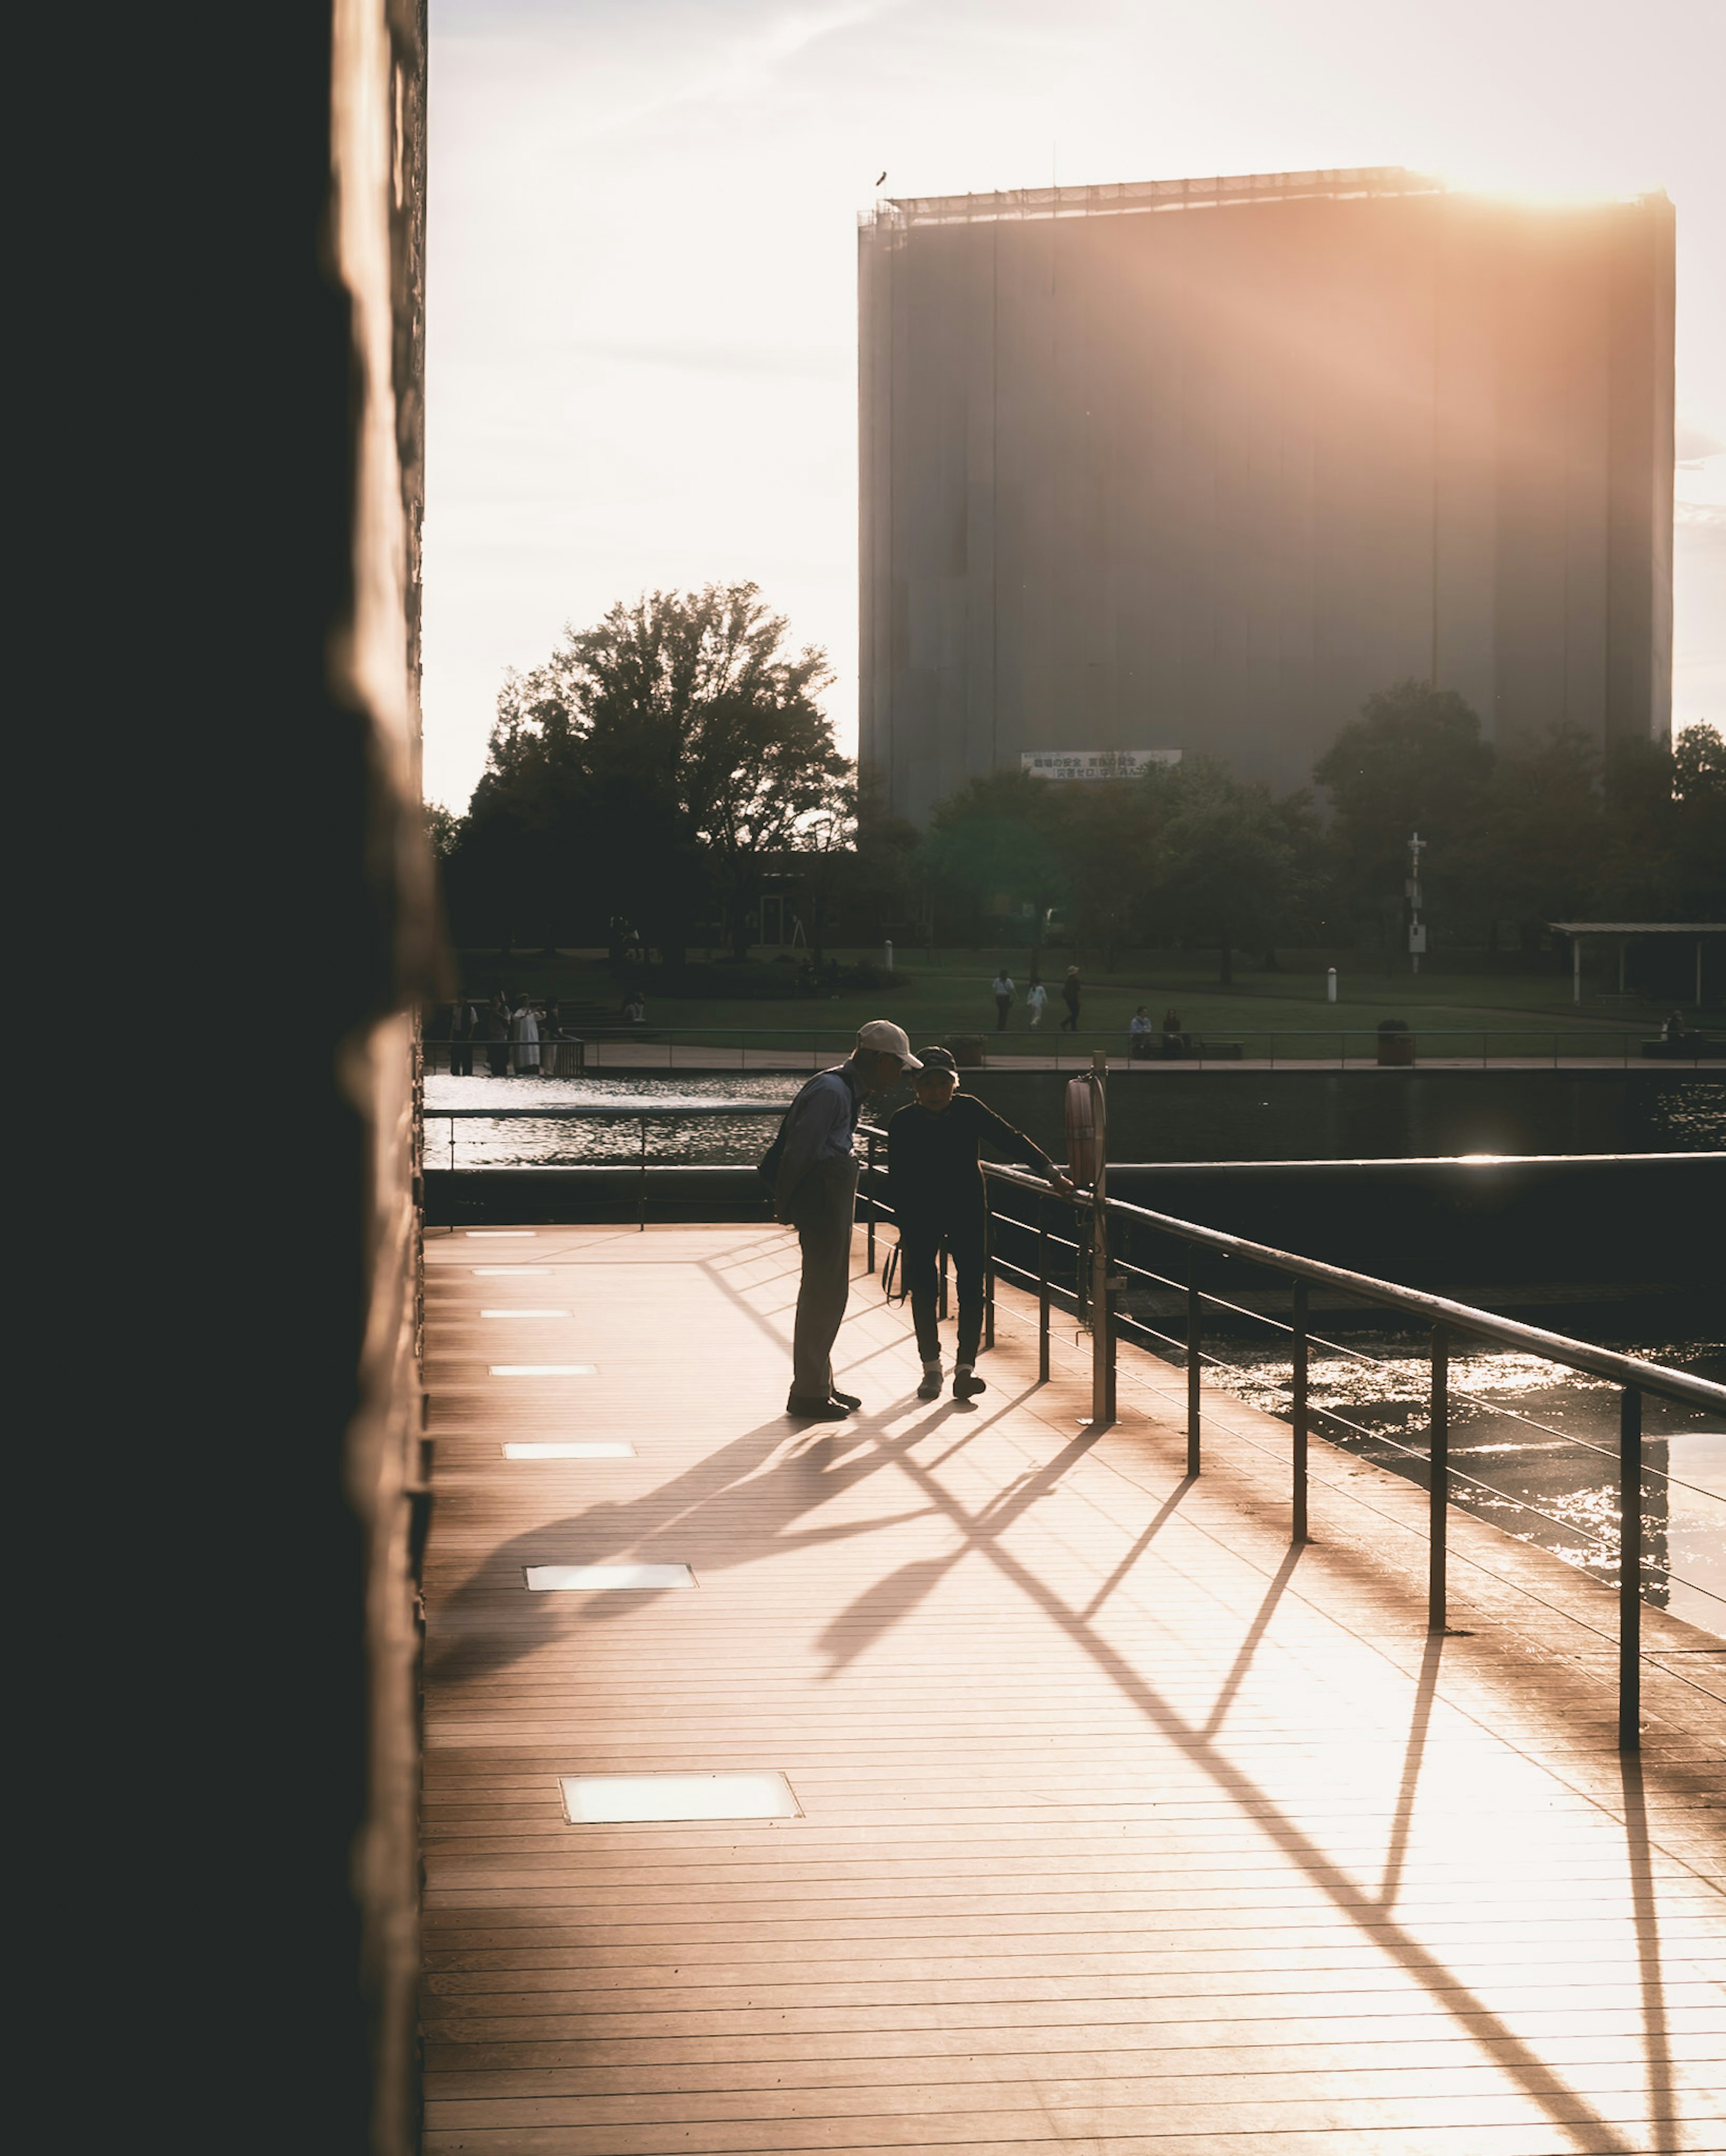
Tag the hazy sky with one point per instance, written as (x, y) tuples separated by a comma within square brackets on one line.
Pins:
[(643, 254)]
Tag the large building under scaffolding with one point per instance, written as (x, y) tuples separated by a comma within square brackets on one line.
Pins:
[(1198, 466)]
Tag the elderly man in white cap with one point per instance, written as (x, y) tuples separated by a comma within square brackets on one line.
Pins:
[(814, 1174)]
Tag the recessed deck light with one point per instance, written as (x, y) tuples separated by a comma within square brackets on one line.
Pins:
[(599, 1799), (595, 1579), (601, 1449), (543, 1370)]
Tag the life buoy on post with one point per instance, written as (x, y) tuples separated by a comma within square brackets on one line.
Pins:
[(1085, 1123)]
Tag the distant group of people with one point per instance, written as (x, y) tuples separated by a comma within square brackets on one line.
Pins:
[(1145, 1039), (505, 1030), (515, 1036), (934, 1149), (1037, 998)]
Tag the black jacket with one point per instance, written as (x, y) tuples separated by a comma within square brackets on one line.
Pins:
[(932, 1158)]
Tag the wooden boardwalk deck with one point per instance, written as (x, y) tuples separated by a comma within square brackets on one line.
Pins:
[(1124, 1828)]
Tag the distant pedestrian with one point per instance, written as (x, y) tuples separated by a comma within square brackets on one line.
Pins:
[(1071, 989), (464, 1026), (524, 1033), (634, 1008), (1174, 1041), (495, 1032), (1003, 995), (1036, 997), (814, 1174), (1140, 1033)]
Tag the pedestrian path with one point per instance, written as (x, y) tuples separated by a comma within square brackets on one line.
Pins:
[(1114, 1824)]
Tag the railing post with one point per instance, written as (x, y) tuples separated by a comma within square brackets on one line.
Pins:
[(1112, 1344), (1438, 1491), (1299, 1529), (1102, 1411), (1629, 1571), (1194, 1333), (869, 1198), (1042, 1295), (641, 1215), (988, 1271), (941, 1307)]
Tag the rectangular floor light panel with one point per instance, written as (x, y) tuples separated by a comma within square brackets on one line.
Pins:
[(524, 1313), (599, 1799), (605, 1448), (504, 1235), (543, 1370), (590, 1579), (512, 1272)]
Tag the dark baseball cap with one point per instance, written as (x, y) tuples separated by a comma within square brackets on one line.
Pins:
[(940, 1059)]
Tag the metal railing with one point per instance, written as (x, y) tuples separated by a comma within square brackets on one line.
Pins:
[(791, 1046), (1096, 1264), (645, 1115)]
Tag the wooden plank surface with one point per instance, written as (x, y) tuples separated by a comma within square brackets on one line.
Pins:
[(1124, 1826)]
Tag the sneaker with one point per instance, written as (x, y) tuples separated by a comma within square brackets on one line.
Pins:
[(967, 1384), (815, 1410), (930, 1388)]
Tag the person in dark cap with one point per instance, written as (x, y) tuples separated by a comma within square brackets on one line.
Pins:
[(933, 1150), (813, 1173)]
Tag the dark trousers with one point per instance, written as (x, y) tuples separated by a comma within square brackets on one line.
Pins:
[(497, 1056), (461, 1059), (1002, 1005), (1070, 1023), (919, 1241), (822, 1208)]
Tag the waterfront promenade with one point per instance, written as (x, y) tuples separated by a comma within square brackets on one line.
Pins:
[(1122, 1827)]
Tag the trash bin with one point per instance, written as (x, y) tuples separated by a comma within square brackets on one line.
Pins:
[(1396, 1044)]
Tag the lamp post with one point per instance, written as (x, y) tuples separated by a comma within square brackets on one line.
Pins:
[(1417, 927)]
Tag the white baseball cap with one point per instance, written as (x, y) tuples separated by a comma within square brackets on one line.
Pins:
[(891, 1039)]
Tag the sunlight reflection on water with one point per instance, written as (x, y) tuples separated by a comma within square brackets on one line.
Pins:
[(1375, 1409)]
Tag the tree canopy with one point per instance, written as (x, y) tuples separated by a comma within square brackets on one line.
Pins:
[(658, 757)]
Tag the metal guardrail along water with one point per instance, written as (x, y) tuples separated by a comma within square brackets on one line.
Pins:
[(1101, 1270), (1105, 1268), (740, 1048)]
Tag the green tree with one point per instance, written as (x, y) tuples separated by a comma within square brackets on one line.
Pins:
[(1413, 760), (1699, 763), (443, 829), (671, 748), (993, 848), (1227, 854), (1541, 835)]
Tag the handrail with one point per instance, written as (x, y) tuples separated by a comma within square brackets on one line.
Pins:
[(1582, 1038), (628, 1110), (1446, 1316), (1436, 1309)]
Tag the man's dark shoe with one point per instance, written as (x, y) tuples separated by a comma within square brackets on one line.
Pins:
[(815, 1410), (930, 1388), (848, 1401), (967, 1384)]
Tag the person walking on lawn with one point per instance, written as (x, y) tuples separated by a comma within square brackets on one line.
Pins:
[(1004, 993), (1070, 991), (932, 1148), (814, 1174)]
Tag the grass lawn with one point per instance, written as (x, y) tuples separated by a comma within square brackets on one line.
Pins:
[(954, 996)]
